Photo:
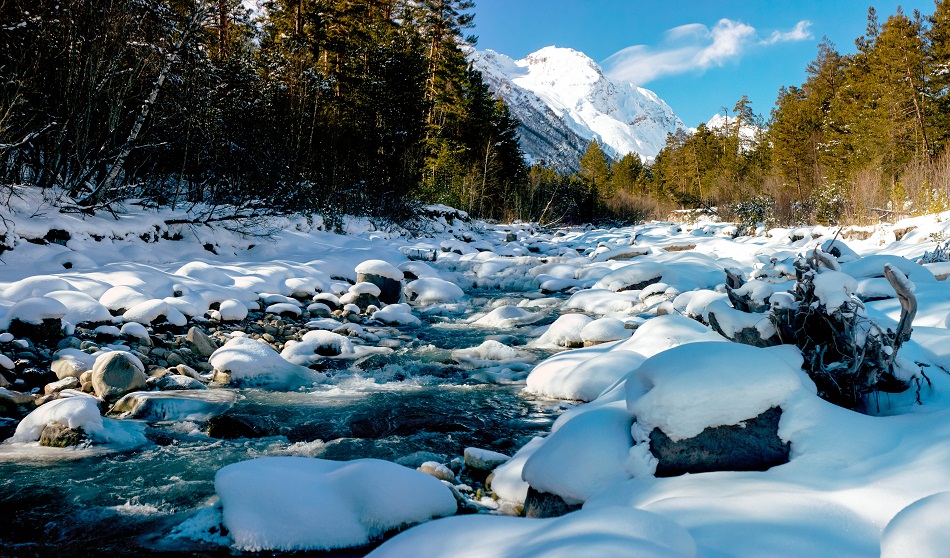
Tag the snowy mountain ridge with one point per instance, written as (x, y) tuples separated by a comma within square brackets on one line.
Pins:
[(564, 99)]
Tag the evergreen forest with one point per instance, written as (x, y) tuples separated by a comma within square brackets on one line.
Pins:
[(370, 107)]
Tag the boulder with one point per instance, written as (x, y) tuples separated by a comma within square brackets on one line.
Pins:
[(389, 289), (58, 435), (68, 367), (753, 445), (543, 504), (438, 471), (117, 373), (202, 344), (70, 382)]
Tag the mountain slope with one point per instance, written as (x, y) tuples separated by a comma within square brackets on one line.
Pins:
[(563, 100)]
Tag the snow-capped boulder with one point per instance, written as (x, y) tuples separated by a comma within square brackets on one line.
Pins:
[(242, 361), (297, 503), (387, 277)]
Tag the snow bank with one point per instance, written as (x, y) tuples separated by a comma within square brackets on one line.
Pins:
[(921, 530), (298, 503), (607, 532), (433, 290), (584, 381)]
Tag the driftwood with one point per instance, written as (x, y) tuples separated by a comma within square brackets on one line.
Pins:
[(905, 294)]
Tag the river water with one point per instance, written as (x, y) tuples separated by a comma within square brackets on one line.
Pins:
[(409, 407)]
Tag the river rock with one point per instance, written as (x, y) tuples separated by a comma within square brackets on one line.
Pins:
[(753, 445), (161, 406), (117, 373), (438, 471), (58, 435), (200, 342), (385, 276), (484, 460), (543, 504), (70, 382), (68, 366), (175, 382)]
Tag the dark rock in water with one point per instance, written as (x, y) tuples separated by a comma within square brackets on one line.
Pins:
[(543, 504), (49, 332), (751, 446), (58, 435), (231, 427), (389, 289), (364, 300), (7, 427)]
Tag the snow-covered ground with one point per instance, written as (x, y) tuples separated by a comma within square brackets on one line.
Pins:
[(625, 311)]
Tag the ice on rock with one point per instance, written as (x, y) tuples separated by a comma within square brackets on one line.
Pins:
[(250, 363), (176, 405), (315, 346), (686, 389), (397, 314), (491, 353), (507, 317), (80, 412), (564, 332), (614, 532), (299, 503)]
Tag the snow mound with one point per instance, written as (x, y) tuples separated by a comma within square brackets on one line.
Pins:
[(506, 317), (34, 310), (433, 290), (615, 532), (381, 268), (566, 379), (299, 503), (922, 529), (564, 332), (686, 389)]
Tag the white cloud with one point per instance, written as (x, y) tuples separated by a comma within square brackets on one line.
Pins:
[(694, 48), (799, 33)]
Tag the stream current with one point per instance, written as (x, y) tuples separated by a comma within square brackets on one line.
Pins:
[(411, 406)]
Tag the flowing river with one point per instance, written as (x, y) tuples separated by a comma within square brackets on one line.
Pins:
[(411, 406)]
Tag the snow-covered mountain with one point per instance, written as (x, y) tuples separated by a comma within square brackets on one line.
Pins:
[(563, 100), (726, 124)]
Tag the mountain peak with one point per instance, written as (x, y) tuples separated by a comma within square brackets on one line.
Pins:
[(563, 99)]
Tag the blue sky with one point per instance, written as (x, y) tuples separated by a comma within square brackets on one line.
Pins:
[(698, 55)]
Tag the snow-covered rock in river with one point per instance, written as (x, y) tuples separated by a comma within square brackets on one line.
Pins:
[(245, 362), (159, 406), (297, 503)]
